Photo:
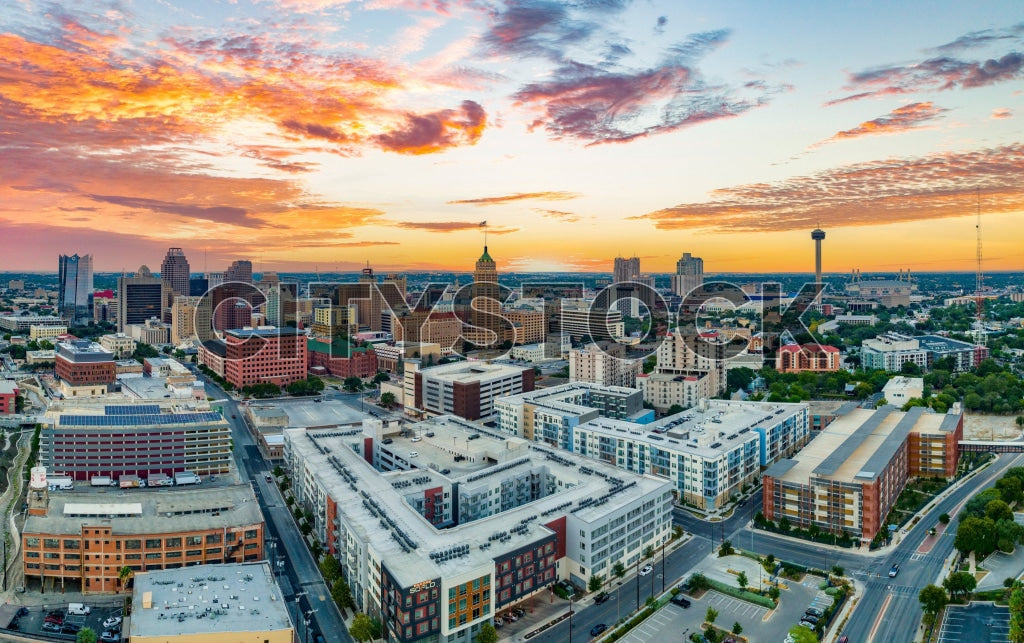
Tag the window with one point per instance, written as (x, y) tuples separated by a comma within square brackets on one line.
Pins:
[(133, 556), (153, 543), (72, 544), (173, 542), (32, 542), (194, 552), (51, 542), (133, 544), (155, 555), (194, 540), (212, 539)]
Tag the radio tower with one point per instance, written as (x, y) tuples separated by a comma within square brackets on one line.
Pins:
[(979, 281)]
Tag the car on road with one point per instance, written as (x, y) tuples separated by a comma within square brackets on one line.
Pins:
[(268, 478), (234, 417), (646, 569), (843, 639), (598, 629), (815, 611), (111, 622), (895, 569), (601, 598)]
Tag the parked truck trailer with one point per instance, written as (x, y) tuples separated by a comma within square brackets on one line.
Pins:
[(101, 481), (129, 482), (186, 477), (159, 480)]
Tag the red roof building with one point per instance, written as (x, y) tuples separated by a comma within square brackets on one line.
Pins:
[(818, 358)]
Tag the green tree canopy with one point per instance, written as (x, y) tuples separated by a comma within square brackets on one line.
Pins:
[(959, 584), (487, 634), (86, 635), (933, 598), (362, 628)]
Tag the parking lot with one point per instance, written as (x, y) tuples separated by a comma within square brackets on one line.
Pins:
[(683, 621), (975, 623), (33, 621)]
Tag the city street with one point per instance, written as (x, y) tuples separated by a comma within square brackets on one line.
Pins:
[(299, 568)]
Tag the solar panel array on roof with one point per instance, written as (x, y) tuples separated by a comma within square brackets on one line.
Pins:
[(136, 420), (128, 409)]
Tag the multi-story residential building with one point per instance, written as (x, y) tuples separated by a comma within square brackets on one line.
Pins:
[(119, 344), (689, 274), (8, 394), (964, 355), (708, 453), (186, 314), (467, 389), (890, 351), (152, 331), (139, 298), (441, 328), (549, 415), (83, 368), (849, 477), (530, 325), (23, 322), (604, 364), (79, 541), (74, 294), (665, 390), (556, 348), (390, 356), (81, 439), (817, 358), (49, 333), (335, 321), (341, 358), (201, 622), (435, 555), (253, 355)]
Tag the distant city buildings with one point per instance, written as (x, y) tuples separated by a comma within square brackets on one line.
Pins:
[(886, 292), (152, 331), (74, 293), (688, 368), (890, 351), (689, 274), (603, 364), (23, 322), (140, 298), (816, 358), (849, 477)]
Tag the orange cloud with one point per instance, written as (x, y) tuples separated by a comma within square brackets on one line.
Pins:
[(872, 193), (450, 226), (519, 196), (1002, 112), (901, 119)]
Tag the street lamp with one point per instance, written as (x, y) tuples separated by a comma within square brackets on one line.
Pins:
[(570, 619)]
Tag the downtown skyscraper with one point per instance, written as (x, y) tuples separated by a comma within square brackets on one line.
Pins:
[(76, 287)]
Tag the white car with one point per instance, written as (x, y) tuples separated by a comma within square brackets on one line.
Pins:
[(416, 439), (645, 570), (413, 454), (112, 621)]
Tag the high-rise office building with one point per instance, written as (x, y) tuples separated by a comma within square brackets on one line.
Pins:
[(73, 298), (175, 272), (240, 270), (626, 269), (689, 274), (139, 298)]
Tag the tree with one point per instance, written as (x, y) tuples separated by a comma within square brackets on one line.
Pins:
[(1009, 489), (86, 635), (741, 580), (341, 594), (770, 560), (306, 528), (838, 570), (699, 582), (726, 549), (362, 628), (784, 524), (1017, 614), (977, 535), (737, 629), (387, 400), (959, 583), (278, 471), (619, 569), (997, 510), (648, 551), (353, 383), (330, 569), (381, 377), (487, 634), (944, 519), (142, 351), (711, 615), (933, 598), (774, 593), (123, 575), (595, 583), (675, 408)]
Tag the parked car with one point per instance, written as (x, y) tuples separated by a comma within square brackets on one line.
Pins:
[(895, 569), (601, 598), (681, 600), (56, 619), (109, 636), (809, 626), (70, 628), (815, 611), (111, 622), (413, 454), (646, 569), (22, 611), (843, 639), (50, 626), (415, 439), (520, 612), (810, 618), (498, 622), (598, 629)]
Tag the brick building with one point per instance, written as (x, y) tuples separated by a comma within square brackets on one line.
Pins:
[(83, 368), (818, 358), (253, 355), (342, 358), (8, 393)]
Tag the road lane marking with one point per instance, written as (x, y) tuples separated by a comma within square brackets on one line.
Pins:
[(878, 619)]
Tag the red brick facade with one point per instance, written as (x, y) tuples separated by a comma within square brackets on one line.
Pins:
[(84, 373)]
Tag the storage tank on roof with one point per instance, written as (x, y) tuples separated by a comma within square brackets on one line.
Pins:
[(37, 478)]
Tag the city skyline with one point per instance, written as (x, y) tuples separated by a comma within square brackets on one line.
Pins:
[(322, 134)]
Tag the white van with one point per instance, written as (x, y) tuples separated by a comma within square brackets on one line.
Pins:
[(81, 609)]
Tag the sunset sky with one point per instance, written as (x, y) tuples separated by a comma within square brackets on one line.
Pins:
[(328, 133)]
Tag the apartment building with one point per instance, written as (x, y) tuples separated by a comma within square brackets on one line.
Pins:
[(816, 358), (435, 555), (605, 364), (849, 477), (38, 332), (890, 351), (708, 453), (79, 541)]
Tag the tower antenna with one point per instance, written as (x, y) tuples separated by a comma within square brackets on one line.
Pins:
[(979, 280)]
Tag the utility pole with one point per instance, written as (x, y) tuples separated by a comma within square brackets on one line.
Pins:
[(636, 569), (663, 566)]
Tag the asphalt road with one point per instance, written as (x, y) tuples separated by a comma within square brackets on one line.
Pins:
[(299, 567), (677, 564)]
